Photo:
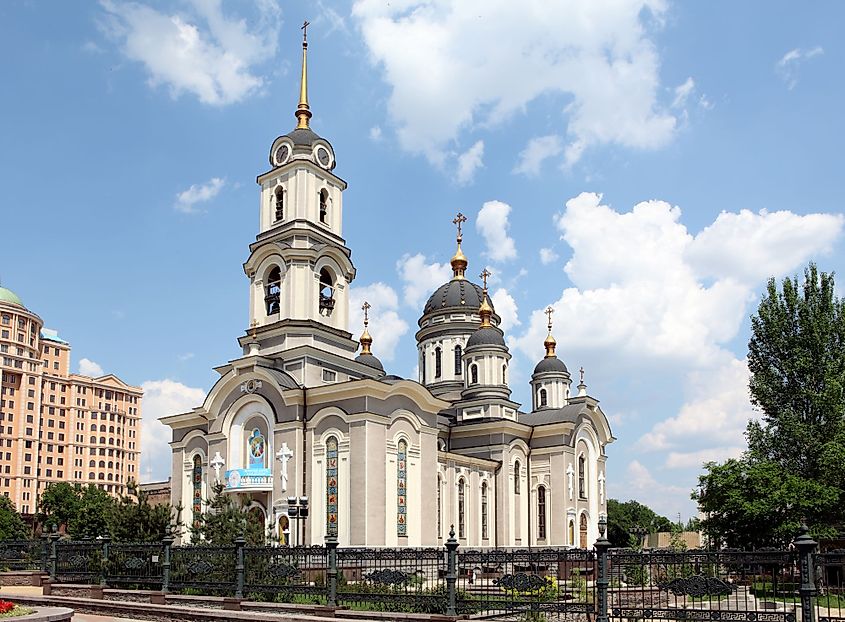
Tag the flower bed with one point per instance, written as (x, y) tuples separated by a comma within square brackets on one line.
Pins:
[(9, 609)]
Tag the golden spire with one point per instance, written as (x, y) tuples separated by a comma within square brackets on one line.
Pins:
[(550, 342), (485, 310), (366, 341), (302, 111), (459, 261)]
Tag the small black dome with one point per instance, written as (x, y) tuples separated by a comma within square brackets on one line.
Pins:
[(456, 293), (370, 360), (549, 364), (489, 336), (303, 136)]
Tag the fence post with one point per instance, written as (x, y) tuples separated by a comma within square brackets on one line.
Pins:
[(452, 573), (331, 573), (239, 566), (54, 538), (602, 545), (45, 553), (806, 548), (167, 543), (104, 570)]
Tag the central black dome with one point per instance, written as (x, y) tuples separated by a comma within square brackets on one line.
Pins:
[(457, 293)]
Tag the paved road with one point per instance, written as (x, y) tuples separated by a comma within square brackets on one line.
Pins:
[(87, 617)]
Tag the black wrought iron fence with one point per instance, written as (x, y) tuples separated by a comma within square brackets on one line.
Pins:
[(135, 565), (23, 555), (203, 569), (78, 561), (286, 574), (830, 582), (546, 584)]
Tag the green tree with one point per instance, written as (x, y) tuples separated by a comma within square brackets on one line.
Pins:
[(795, 464), (12, 526), (226, 519), (134, 519), (58, 505), (622, 518), (94, 517)]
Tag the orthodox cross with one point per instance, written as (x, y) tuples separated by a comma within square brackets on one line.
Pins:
[(549, 310), (601, 487), (459, 220), (304, 29), (484, 274), (217, 464), (366, 309), (283, 455), (581, 371), (570, 472)]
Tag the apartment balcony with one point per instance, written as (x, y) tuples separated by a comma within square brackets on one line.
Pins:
[(249, 480)]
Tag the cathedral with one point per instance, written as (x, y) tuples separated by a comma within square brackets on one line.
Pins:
[(308, 416)]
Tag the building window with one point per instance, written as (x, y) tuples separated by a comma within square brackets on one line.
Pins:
[(504, 374), (331, 486), (484, 534), (273, 291), (541, 512), (280, 204), (473, 373), (438, 362), (544, 397), (439, 506), (583, 542), (571, 533), (516, 477), (197, 481), (461, 509), (324, 206), (458, 364), (582, 489), (326, 292), (402, 488)]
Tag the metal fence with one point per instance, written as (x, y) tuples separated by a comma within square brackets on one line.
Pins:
[(597, 585)]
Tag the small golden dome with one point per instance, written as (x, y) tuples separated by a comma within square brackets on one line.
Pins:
[(366, 341), (550, 344), (459, 263), (486, 312)]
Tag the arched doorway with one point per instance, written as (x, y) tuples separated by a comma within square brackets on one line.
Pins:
[(284, 530), (583, 531)]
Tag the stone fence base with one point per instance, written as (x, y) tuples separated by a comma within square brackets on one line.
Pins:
[(22, 577)]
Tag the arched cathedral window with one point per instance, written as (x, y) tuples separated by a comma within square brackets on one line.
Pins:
[(484, 530), (273, 291), (544, 397), (402, 488), (504, 374), (516, 477), (458, 364), (326, 292), (324, 206), (582, 488), (280, 204), (462, 533), (541, 512), (196, 502), (331, 486), (473, 373), (438, 362)]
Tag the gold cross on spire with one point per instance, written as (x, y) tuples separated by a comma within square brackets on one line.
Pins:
[(366, 309), (549, 310), (254, 326), (304, 29), (459, 220), (484, 274), (303, 111), (581, 371)]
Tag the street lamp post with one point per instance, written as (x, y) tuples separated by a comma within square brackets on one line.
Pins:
[(298, 512)]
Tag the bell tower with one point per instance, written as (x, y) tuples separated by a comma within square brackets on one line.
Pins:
[(299, 267)]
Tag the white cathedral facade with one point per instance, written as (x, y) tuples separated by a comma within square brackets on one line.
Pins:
[(383, 461)]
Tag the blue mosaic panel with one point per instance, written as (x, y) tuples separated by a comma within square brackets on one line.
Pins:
[(402, 489), (197, 482), (331, 486)]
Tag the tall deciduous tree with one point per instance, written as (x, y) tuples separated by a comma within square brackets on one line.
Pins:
[(12, 526), (795, 464), (622, 518)]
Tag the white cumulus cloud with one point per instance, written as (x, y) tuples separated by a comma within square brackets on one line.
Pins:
[(201, 49), (162, 398), (87, 367), (547, 256), (456, 66), (469, 162), (787, 66), (506, 309), (386, 327), (537, 151), (198, 193), (493, 224), (420, 278)]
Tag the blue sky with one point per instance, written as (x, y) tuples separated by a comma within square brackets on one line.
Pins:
[(644, 166)]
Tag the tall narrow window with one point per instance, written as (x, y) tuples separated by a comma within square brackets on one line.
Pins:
[(516, 477), (402, 488), (280, 204), (324, 206), (484, 534), (582, 489), (273, 291), (331, 486), (541, 512), (439, 506), (504, 374), (544, 397), (461, 509), (473, 373), (458, 365), (438, 362), (326, 292), (197, 483), (583, 529)]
